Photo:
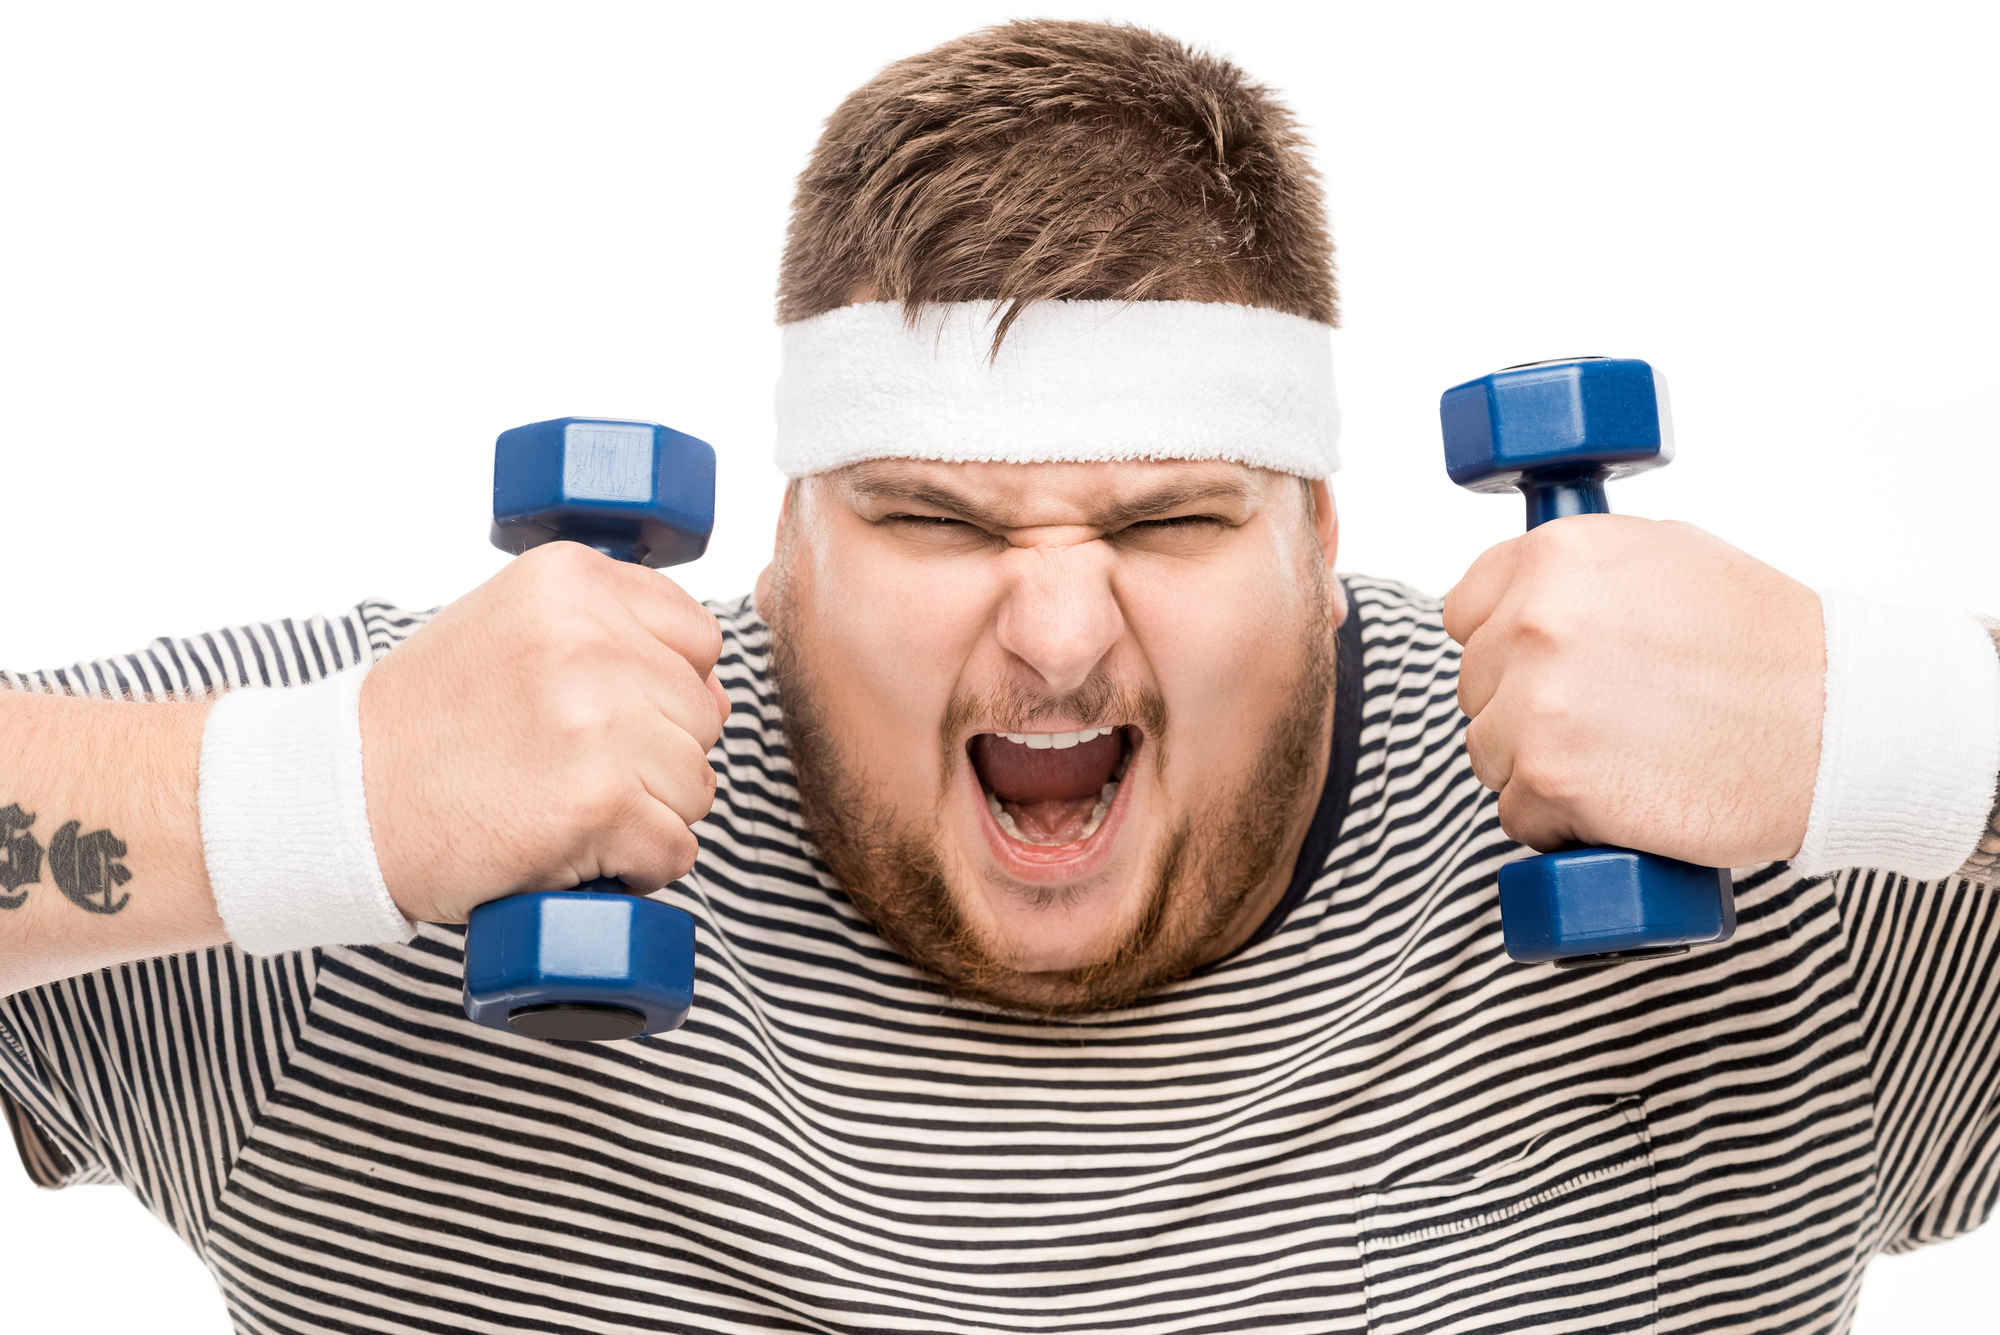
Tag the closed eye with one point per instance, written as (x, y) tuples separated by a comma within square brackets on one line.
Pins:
[(938, 533), (1175, 535)]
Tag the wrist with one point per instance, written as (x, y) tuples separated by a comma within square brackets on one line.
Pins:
[(284, 820), (1910, 742)]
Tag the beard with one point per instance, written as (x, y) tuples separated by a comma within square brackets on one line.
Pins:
[(1208, 867)]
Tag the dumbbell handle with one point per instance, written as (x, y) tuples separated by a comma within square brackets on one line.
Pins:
[(1560, 498), (617, 549)]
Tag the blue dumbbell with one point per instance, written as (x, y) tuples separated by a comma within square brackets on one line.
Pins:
[(1557, 431), (597, 962)]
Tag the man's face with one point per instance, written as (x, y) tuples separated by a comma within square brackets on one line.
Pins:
[(1058, 728)]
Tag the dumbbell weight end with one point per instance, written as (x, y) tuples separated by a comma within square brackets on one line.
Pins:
[(1587, 906), (584, 965)]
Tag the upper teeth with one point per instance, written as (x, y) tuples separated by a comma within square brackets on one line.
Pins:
[(1054, 741)]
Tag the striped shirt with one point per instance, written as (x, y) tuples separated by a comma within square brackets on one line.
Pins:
[(1365, 1119)]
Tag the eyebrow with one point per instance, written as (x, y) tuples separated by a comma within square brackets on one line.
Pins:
[(1112, 513)]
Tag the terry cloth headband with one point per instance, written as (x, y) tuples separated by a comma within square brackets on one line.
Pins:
[(1073, 381)]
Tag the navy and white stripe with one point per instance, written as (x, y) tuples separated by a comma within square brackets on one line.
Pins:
[(1367, 1119)]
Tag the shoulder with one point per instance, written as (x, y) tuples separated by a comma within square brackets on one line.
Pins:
[(746, 639), (384, 625), (744, 668), (753, 770), (1403, 679), (284, 651), (1400, 627)]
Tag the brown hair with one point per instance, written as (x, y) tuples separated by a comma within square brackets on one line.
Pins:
[(1049, 160)]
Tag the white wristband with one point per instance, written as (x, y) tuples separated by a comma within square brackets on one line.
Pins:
[(284, 820), (1911, 740)]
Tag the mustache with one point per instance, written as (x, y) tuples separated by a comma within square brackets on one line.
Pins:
[(1016, 707)]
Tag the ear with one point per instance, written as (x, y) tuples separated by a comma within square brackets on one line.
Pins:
[(760, 595), (1326, 524)]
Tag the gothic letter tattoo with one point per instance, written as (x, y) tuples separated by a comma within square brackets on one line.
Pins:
[(87, 869), (20, 856)]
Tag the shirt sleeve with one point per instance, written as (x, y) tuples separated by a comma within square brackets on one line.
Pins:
[(154, 1074), (151, 1074), (1926, 973)]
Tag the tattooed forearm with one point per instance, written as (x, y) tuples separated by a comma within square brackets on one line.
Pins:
[(20, 857), (86, 867), (1984, 864), (100, 836)]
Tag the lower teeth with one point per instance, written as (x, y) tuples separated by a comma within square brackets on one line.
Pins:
[(1006, 821)]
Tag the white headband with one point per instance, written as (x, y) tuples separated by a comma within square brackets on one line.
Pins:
[(1074, 381)]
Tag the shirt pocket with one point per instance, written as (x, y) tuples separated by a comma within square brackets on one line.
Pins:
[(1559, 1238)]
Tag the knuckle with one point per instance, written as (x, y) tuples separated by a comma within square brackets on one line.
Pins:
[(699, 637), (708, 728), (581, 722), (679, 850), (1548, 704), (594, 803), (540, 570), (691, 624), (1559, 539), (1485, 765), (561, 633), (1548, 782), (1472, 668), (1526, 832), (1454, 617), (1540, 628), (695, 782), (566, 557)]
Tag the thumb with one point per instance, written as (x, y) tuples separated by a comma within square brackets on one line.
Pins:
[(1473, 599)]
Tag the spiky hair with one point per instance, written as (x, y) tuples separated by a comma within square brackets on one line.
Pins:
[(1050, 160)]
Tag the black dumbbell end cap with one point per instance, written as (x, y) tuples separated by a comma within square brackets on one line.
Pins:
[(1619, 957), (576, 1022)]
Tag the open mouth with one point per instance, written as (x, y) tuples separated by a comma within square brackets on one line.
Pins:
[(1048, 789)]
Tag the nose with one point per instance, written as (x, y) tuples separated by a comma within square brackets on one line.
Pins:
[(1060, 615)]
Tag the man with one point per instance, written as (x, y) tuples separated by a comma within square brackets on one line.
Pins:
[(1096, 900)]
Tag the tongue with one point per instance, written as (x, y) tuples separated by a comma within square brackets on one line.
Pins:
[(1050, 794)]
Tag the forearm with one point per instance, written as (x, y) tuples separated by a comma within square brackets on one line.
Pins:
[(100, 836)]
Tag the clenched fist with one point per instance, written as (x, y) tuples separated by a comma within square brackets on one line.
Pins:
[(1641, 684), (551, 726)]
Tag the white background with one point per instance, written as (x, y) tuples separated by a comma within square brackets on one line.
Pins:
[(272, 277)]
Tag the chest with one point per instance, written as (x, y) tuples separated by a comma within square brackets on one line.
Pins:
[(1283, 1150)]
